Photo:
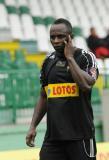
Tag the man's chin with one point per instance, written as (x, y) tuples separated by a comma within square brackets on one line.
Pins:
[(59, 49)]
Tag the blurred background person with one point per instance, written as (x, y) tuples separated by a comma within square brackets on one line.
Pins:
[(96, 44)]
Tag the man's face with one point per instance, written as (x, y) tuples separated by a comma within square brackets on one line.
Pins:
[(58, 34)]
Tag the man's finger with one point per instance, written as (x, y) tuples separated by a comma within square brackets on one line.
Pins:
[(65, 42), (70, 39), (30, 142)]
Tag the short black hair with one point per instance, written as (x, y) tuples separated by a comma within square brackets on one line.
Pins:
[(67, 23)]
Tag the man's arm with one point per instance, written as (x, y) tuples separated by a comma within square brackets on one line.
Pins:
[(82, 78), (38, 114)]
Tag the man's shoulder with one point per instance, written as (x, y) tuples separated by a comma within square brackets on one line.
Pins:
[(85, 52), (89, 54), (81, 51), (49, 57), (90, 58)]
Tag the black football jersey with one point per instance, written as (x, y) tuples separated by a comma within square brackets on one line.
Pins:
[(69, 111)]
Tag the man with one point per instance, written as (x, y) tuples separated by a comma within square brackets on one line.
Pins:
[(67, 77), (97, 45)]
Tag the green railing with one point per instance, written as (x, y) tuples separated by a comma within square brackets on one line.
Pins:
[(19, 89)]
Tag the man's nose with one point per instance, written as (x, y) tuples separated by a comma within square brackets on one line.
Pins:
[(56, 39)]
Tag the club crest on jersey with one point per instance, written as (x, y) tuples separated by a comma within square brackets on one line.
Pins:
[(61, 63)]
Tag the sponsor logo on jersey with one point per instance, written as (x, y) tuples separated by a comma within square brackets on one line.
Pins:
[(62, 90)]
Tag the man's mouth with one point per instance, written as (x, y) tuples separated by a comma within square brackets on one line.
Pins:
[(59, 46)]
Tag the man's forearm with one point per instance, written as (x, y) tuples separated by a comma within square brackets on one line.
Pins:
[(39, 112)]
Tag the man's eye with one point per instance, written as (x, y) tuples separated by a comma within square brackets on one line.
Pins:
[(58, 36), (61, 36), (52, 37)]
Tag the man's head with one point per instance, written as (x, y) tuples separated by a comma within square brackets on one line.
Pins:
[(93, 31), (59, 32)]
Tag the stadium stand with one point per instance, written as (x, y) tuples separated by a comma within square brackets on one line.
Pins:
[(5, 34), (16, 15)]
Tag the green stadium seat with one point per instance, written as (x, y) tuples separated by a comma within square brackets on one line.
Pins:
[(41, 34), (38, 20), (15, 24), (6, 100), (2, 1), (19, 54), (97, 111), (49, 20), (5, 58), (8, 90), (98, 131), (5, 54), (77, 31), (19, 61), (5, 79), (24, 10), (33, 74), (96, 97), (20, 89), (96, 104), (26, 19), (26, 85), (21, 86), (12, 9)]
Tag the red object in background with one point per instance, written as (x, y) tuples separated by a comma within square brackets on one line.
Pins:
[(102, 52)]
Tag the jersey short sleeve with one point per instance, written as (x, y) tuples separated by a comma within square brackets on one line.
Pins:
[(90, 64)]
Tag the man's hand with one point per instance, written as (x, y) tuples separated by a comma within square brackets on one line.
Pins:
[(68, 50), (31, 137)]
